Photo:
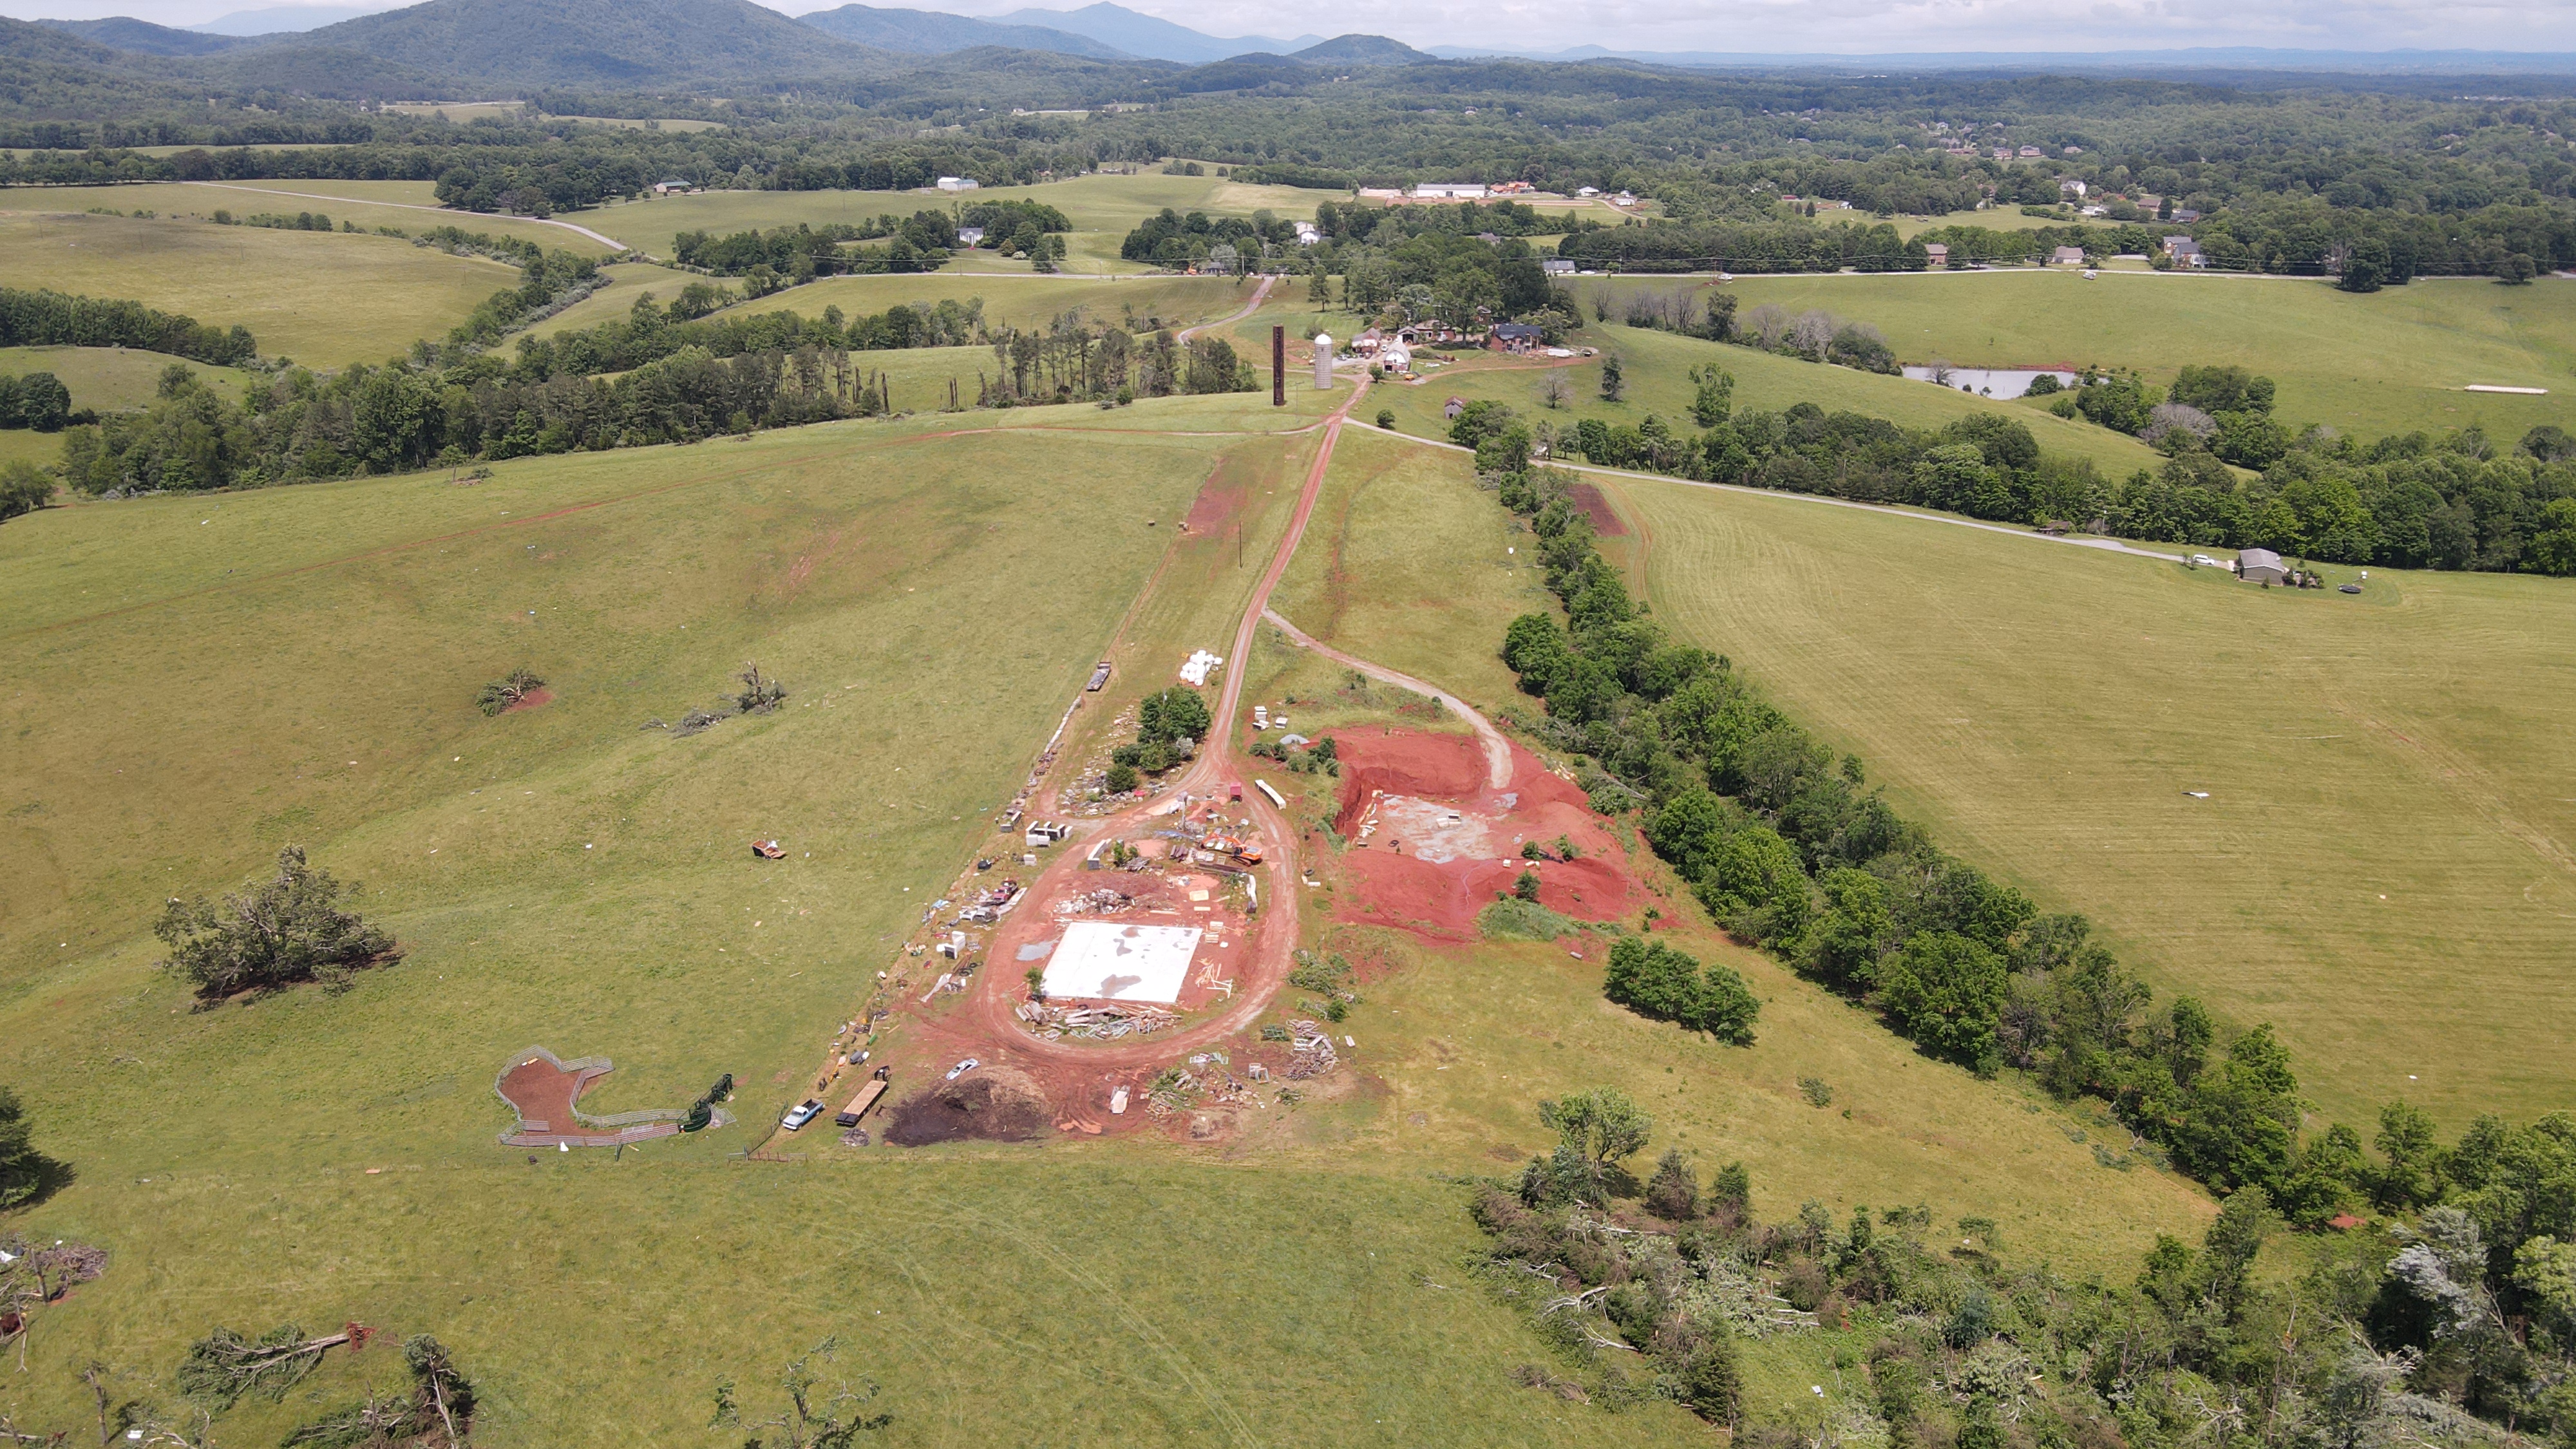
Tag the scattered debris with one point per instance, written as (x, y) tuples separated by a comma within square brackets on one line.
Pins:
[(1195, 669), (768, 850)]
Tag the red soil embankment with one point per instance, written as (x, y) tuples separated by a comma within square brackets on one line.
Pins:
[(1605, 519), (1394, 883)]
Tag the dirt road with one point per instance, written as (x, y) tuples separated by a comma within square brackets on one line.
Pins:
[(1498, 751), (986, 1027)]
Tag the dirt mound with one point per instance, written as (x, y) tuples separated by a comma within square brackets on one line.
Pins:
[(1440, 847), (1605, 520), (986, 1106), (1404, 762)]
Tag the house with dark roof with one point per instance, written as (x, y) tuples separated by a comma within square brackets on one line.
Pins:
[(1511, 337)]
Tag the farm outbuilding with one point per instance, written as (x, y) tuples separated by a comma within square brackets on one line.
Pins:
[(2260, 566)]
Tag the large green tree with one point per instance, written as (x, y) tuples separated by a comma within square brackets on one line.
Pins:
[(282, 931)]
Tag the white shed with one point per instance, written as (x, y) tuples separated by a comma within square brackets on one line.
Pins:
[(2260, 566)]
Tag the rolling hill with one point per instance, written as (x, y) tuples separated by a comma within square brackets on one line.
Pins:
[(597, 42), (1361, 50), (142, 37), (928, 32), (1149, 38)]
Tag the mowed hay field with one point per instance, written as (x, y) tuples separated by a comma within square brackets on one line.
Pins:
[(326, 300), (2391, 361), (562, 877), (2385, 867)]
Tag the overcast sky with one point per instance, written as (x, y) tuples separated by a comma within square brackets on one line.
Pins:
[(1851, 27)]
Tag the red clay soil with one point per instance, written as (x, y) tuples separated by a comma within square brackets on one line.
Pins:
[(534, 699), (1434, 883), (1220, 499), (1605, 519), (543, 1092)]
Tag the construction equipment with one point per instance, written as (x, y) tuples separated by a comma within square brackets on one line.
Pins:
[(1247, 851)]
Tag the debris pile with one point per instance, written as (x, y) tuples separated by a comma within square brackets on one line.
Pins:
[(1106, 1022), (1312, 1053), (1102, 902)]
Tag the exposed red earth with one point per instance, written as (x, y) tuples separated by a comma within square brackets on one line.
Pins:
[(543, 1090), (1433, 842)]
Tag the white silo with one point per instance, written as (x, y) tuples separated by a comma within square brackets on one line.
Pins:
[(1323, 360)]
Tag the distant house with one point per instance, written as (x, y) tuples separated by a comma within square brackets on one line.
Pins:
[(2077, 187), (2260, 566), (1453, 407), (1395, 356), (1449, 191), (972, 236), (1587, 191), (1512, 337), (1939, 253), (1557, 266), (2066, 256), (2185, 252), (1429, 329), (1624, 198), (2030, 153), (2003, 153), (1307, 235), (1367, 343), (957, 183), (672, 188), (2074, 150), (2186, 216)]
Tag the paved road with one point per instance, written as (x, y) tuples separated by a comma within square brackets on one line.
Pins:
[(449, 212), (2008, 530)]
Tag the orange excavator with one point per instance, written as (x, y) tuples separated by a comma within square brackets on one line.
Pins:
[(1247, 851)]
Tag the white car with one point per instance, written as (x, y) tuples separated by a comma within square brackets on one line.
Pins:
[(962, 1068), (2203, 561), (802, 1113)]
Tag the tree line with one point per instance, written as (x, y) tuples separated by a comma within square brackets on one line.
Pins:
[(44, 318)]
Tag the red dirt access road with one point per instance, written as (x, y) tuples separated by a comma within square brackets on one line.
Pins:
[(1072, 1070)]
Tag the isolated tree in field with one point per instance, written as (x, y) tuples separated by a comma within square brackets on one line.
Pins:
[(1715, 398), (286, 930), (24, 1172), (1171, 715), (1554, 391), (24, 488), (1319, 288), (1661, 980), (1605, 1125), (1614, 379), (1673, 1192), (813, 1419)]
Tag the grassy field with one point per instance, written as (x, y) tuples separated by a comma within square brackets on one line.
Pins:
[(626, 281), (109, 378), (1657, 368), (1998, 218), (2383, 868), (409, 206), (2389, 362), (323, 299), (1019, 301), (562, 877)]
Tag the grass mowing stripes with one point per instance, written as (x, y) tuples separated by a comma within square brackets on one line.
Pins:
[(2383, 867)]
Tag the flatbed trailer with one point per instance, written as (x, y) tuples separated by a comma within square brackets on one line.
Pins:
[(869, 1091)]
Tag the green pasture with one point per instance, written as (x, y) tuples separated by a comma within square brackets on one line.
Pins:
[(409, 206), (1020, 301), (1656, 367), (110, 378), (2391, 361), (2382, 866), (324, 299), (1995, 218), (625, 281), (563, 877)]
